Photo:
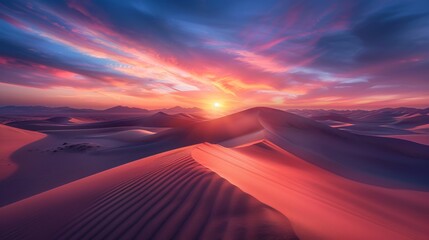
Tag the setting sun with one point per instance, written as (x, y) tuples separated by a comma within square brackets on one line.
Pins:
[(216, 105)]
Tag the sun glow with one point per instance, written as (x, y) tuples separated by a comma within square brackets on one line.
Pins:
[(216, 105)]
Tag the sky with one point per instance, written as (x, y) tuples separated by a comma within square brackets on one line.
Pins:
[(195, 53)]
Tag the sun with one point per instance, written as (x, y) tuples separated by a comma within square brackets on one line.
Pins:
[(216, 105)]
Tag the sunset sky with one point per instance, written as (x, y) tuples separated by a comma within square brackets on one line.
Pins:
[(235, 53)]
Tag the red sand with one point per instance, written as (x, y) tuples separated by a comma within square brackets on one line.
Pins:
[(329, 183), (12, 139), (160, 197), (319, 204)]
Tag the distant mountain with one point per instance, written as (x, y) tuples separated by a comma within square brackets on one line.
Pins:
[(125, 109), (178, 109), (67, 111), (39, 110)]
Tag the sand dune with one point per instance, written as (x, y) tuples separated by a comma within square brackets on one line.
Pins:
[(388, 121), (241, 176), (11, 139), (80, 120), (333, 117), (319, 204), (42, 124), (159, 119), (161, 197), (62, 157), (417, 138), (133, 135), (68, 154), (384, 162), (358, 157), (375, 130), (422, 128), (413, 121)]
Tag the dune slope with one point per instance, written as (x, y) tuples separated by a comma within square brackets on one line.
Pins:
[(161, 197), (319, 203), (12, 139)]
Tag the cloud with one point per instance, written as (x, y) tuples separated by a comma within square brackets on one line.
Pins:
[(273, 52)]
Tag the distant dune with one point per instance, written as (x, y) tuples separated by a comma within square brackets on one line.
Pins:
[(159, 119), (417, 138), (387, 121)]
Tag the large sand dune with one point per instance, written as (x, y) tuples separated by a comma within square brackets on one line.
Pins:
[(320, 204), (374, 160), (162, 197)]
